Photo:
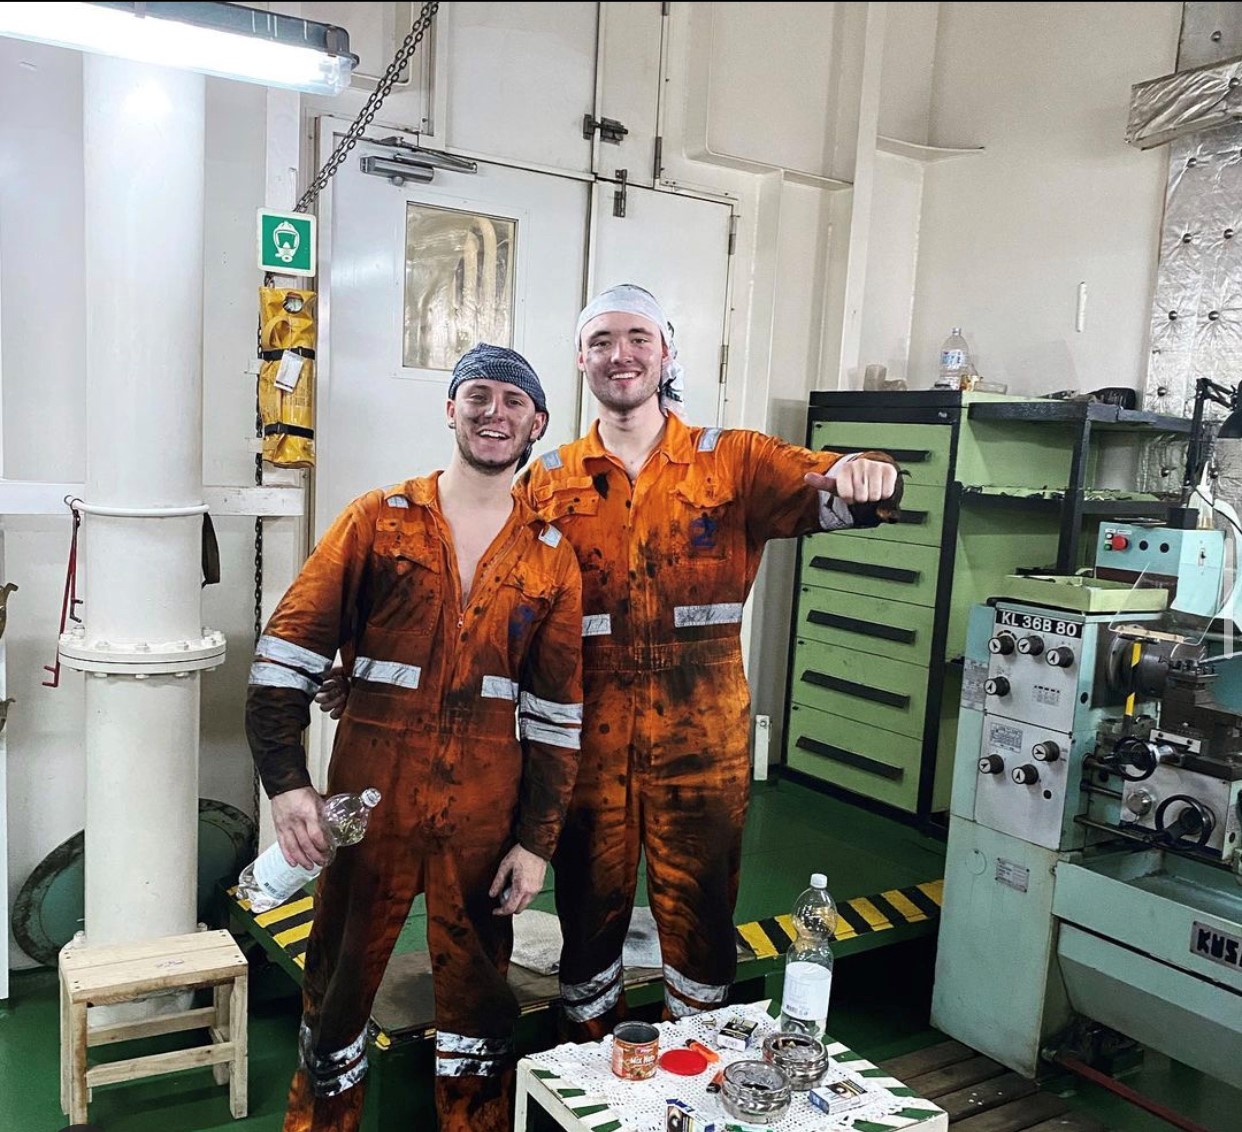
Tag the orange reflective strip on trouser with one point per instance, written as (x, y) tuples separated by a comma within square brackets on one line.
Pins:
[(665, 770), (362, 902)]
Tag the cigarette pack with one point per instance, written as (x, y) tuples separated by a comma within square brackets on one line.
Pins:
[(737, 1033), (683, 1117), (839, 1096)]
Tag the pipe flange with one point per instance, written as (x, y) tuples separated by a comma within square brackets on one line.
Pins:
[(142, 658)]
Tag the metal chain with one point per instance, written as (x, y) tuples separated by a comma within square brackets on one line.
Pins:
[(258, 595), (367, 114)]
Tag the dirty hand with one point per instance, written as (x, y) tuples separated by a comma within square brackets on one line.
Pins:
[(333, 693), (858, 481), (519, 878), (299, 827)]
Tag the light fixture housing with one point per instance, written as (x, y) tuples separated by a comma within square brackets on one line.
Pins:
[(226, 40)]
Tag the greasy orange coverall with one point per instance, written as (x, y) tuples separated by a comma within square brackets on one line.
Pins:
[(667, 563), (431, 723)]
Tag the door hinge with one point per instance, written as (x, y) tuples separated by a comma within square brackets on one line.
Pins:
[(610, 130), (732, 233), (618, 198), (664, 7), (657, 164), (724, 361)]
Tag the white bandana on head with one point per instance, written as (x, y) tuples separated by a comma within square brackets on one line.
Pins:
[(632, 299)]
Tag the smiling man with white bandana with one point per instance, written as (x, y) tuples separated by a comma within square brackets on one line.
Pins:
[(669, 522)]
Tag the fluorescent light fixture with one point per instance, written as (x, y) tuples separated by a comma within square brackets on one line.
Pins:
[(226, 40)]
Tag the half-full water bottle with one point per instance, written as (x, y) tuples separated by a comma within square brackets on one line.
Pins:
[(808, 962), (270, 880), (954, 362)]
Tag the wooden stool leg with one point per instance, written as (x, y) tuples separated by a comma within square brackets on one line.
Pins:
[(221, 1031), (238, 1028), (66, 1054), (77, 1049)]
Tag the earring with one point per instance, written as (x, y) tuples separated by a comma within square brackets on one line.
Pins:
[(452, 424)]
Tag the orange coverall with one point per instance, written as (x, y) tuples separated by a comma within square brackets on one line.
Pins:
[(431, 723), (667, 563)]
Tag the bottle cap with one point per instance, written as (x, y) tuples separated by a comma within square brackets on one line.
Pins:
[(685, 1062), (819, 880), (370, 797)]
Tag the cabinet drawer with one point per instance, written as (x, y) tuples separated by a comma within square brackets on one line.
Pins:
[(855, 756), (895, 629), (922, 450), (922, 516), (872, 689), (872, 566)]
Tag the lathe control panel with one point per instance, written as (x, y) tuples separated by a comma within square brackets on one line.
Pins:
[(1034, 666)]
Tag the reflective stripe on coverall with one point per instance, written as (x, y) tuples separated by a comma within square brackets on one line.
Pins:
[(430, 722), (667, 563)]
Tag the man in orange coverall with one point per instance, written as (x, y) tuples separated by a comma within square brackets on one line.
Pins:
[(453, 606), (669, 522)]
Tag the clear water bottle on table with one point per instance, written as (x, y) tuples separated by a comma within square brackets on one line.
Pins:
[(269, 880), (808, 962), (955, 368)]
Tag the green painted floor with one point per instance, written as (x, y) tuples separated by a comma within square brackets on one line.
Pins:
[(880, 1008)]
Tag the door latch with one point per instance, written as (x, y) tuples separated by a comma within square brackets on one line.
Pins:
[(618, 197), (610, 130)]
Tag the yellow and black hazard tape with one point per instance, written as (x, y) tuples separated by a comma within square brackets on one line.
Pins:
[(288, 924), (863, 915)]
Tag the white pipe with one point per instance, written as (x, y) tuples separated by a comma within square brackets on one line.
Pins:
[(143, 130)]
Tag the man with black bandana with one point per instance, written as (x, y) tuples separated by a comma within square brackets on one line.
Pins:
[(455, 609)]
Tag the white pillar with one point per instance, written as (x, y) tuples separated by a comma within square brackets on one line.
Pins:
[(143, 129)]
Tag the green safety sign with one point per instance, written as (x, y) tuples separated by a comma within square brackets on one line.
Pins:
[(286, 243)]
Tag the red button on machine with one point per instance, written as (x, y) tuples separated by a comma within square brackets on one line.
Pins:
[(1118, 542)]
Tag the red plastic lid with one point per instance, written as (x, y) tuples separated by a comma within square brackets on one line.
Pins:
[(686, 1062)]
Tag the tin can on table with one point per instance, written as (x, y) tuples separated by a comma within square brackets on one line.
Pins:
[(635, 1046)]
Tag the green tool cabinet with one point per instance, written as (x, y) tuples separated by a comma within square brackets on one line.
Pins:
[(993, 485)]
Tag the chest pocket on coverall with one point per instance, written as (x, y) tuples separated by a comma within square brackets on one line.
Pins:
[(527, 600), (573, 496), (406, 585), (701, 522)]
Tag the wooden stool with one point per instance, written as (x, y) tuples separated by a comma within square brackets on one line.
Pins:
[(104, 976)]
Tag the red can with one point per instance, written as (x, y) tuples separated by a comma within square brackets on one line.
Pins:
[(635, 1046)]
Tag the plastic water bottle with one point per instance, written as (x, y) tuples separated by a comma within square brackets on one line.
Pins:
[(954, 361), (808, 962), (270, 880)]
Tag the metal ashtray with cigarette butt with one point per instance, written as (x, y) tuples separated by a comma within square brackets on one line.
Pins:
[(757, 1092), (635, 1046), (803, 1058)]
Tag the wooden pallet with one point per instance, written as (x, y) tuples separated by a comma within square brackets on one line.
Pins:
[(981, 1095)]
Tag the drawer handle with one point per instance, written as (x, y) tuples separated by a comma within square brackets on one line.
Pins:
[(866, 569), (849, 758), (901, 455), (860, 691), (914, 518), (866, 628)]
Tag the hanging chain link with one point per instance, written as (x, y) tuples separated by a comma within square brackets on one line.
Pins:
[(367, 114)]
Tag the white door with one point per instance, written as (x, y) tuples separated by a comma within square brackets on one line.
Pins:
[(498, 255), (677, 247)]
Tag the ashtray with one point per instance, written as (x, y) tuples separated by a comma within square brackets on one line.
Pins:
[(803, 1058), (757, 1092)]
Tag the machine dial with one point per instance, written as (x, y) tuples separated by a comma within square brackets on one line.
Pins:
[(1060, 657), (997, 686), (1031, 645), (1047, 751), (991, 764), (1002, 644), (1026, 775)]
